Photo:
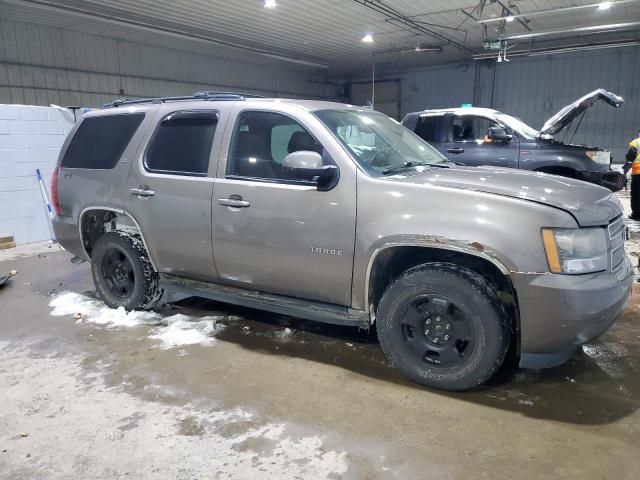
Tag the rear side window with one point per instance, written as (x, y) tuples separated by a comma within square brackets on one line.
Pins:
[(100, 141), (181, 144), (428, 128)]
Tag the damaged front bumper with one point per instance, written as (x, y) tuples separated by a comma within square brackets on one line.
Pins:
[(558, 313)]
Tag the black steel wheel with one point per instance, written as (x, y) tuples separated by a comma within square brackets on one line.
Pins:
[(437, 331), (443, 326), (118, 273), (122, 272)]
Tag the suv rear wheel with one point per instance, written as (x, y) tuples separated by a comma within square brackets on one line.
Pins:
[(122, 272), (443, 326)]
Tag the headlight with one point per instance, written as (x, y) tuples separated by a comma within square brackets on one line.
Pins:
[(599, 156), (575, 250)]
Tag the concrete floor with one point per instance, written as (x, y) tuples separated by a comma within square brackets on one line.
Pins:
[(272, 397)]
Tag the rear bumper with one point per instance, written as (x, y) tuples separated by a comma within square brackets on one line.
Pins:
[(68, 235), (560, 312), (614, 181)]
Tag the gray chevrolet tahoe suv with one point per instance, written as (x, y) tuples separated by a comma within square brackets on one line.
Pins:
[(339, 214), (483, 136)]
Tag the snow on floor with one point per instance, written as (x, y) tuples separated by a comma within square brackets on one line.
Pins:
[(171, 331), (106, 432)]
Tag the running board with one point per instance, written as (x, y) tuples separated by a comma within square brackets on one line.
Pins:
[(310, 310)]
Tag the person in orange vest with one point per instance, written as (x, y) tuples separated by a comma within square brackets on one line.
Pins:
[(633, 156)]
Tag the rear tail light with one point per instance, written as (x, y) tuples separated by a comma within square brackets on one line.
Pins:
[(54, 191)]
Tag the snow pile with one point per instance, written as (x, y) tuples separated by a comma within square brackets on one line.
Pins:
[(183, 330), (95, 311), (172, 331)]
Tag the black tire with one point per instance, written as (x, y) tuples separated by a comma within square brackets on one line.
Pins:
[(443, 326), (122, 272)]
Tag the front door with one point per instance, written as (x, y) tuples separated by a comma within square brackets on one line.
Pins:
[(469, 144), (271, 233), (170, 190)]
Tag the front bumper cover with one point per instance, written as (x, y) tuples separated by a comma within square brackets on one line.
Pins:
[(558, 313)]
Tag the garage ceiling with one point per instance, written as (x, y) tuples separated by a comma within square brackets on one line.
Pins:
[(319, 34)]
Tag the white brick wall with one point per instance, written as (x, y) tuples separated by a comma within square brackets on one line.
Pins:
[(30, 138)]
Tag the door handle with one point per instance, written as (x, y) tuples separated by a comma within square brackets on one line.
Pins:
[(142, 191), (455, 150), (234, 201)]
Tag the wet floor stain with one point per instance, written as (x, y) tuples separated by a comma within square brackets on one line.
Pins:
[(599, 384)]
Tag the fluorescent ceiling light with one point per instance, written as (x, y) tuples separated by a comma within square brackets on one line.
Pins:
[(604, 6), (368, 38), (509, 18), (270, 4)]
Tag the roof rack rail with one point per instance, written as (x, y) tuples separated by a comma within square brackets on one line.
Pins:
[(204, 95)]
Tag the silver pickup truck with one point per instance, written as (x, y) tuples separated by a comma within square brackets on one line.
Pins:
[(339, 214)]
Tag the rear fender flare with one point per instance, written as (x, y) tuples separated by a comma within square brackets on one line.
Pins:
[(120, 212)]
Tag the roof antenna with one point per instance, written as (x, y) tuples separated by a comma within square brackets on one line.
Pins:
[(373, 80)]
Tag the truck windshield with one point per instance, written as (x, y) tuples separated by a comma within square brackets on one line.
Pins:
[(518, 125), (379, 144)]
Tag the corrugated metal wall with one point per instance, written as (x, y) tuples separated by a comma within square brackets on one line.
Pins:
[(535, 88), (40, 65)]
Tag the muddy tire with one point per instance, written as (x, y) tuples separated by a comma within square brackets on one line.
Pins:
[(122, 272), (443, 326)]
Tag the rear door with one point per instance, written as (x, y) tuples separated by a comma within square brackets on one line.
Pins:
[(469, 144), (170, 186)]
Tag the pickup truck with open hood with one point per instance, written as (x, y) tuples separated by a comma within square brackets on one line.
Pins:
[(482, 136)]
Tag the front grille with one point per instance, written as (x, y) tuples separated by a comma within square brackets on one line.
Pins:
[(617, 236)]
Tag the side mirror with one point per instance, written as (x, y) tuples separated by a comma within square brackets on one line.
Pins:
[(499, 134), (307, 165)]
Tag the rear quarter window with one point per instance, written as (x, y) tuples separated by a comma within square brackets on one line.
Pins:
[(99, 141)]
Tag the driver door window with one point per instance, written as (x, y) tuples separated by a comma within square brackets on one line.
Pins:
[(260, 142), (470, 128)]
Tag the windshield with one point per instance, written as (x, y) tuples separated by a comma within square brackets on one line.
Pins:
[(518, 125), (379, 144)]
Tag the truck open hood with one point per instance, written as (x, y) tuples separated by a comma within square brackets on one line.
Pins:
[(565, 116), (589, 204)]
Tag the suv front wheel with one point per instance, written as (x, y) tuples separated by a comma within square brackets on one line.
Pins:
[(122, 272), (443, 326)]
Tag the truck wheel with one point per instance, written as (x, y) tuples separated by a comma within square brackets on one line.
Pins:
[(122, 272), (443, 326)]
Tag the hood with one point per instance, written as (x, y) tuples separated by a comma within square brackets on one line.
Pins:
[(589, 204), (565, 116)]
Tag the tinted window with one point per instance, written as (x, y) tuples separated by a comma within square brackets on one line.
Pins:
[(182, 143), (428, 128), (99, 141), (260, 142), (469, 128)]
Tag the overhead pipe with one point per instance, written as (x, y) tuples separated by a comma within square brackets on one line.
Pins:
[(559, 50), (554, 11), (611, 27)]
